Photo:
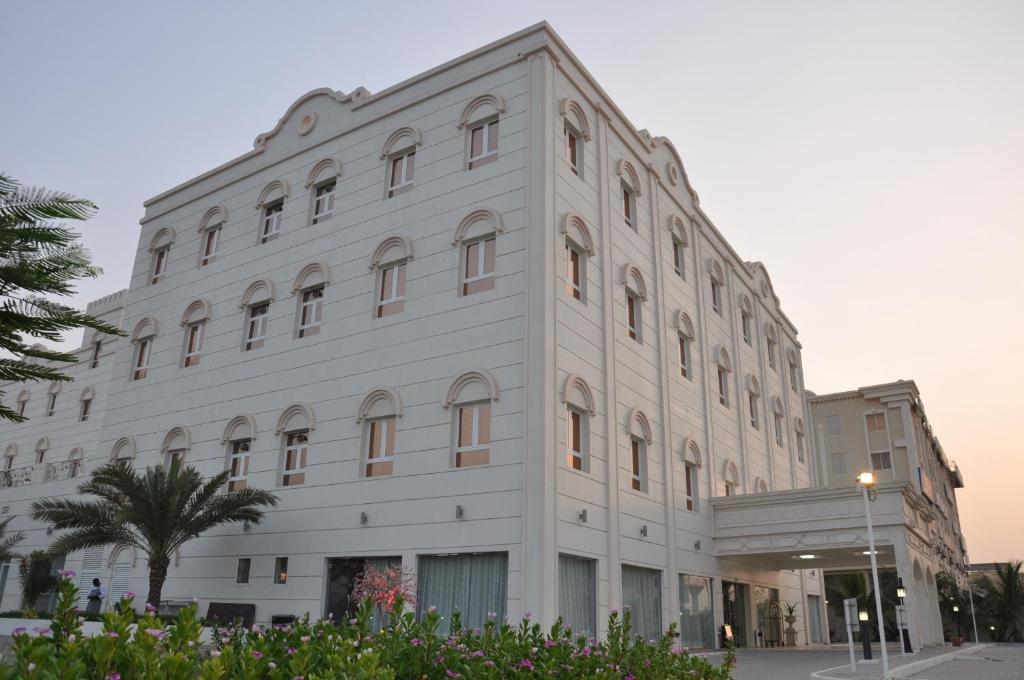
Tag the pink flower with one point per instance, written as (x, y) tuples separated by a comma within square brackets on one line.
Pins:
[(453, 674), (112, 634), (129, 596), (66, 573), (214, 653), (526, 663), (415, 642), (549, 644), (20, 630), (304, 638), (489, 663), (155, 632), (290, 651), (114, 676), (256, 654), (150, 608)]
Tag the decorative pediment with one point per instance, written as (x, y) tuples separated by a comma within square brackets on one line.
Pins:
[(306, 111), (576, 117), (577, 231), (577, 392), (481, 107), (472, 386)]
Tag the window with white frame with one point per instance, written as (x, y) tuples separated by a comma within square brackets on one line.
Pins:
[(773, 348), (243, 569), (691, 486), (794, 375), (141, 364), (881, 460), (51, 405), (723, 387), (574, 149), (678, 257), (473, 434), (281, 571), (754, 420), (478, 265), (629, 206), (800, 446), (296, 453), (878, 441), (271, 220), (160, 256), (875, 422), (748, 328), (84, 409), (575, 271), (311, 311), (256, 323), (779, 429), (638, 461), (401, 172), (483, 143), (716, 296), (634, 316), (380, 447), (391, 285), (22, 404), (834, 425), (238, 464), (323, 201), (577, 437), (211, 244), (194, 333), (94, 360), (684, 357)]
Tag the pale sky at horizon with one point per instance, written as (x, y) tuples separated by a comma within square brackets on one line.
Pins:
[(869, 153)]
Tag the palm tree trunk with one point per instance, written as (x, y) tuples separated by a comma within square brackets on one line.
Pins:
[(157, 575)]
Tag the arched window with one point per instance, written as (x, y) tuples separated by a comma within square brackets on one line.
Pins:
[(399, 152), (636, 295), (210, 228), (160, 253), (684, 326), (176, 444), (798, 430), (378, 414), (85, 404), (74, 464), (322, 184), (51, 401), (42, 446), (746, 318), (794, 370), (753, 399), (256, 303), (717, 278), (23, 398), (579, 245), (680, 241), (772, 345), (640, 437), (731, 477), (630, 183), (480, 120), (760, 485), (193, 320), (780, 423), (389, 263), (692, 462), (476, 236), (294, 427), (270, 206), (142, 346), (123, 452), (579, 409), (724, 368), (576, 128), (309, 289), (238, 437), (470, 397)]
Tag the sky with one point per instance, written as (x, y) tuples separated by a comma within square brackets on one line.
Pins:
[(870, 152)]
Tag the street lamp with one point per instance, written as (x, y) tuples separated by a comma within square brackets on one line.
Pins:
[(956, 615), (867, 486)]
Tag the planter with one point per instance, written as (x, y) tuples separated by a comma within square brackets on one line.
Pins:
[(957, 641)]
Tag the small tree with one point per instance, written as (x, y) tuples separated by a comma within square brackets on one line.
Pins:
[(8, 540), (37, 579), (1002, 601), (156, 512)]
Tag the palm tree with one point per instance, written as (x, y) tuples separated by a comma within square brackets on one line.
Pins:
[(8, 541), (1002, 600), (156, 512), (39, 258)]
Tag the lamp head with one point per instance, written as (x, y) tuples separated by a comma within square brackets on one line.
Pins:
[(862, 615), (901, 592), (866, 479), (956, 608)]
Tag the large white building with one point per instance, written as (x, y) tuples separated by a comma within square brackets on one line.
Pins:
[(476, 323)]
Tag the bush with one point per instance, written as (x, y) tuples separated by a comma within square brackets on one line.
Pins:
[(304, 651), (36, 577)]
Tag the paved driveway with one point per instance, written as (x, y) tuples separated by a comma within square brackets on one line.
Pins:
[(1001, 662), (764, 664)]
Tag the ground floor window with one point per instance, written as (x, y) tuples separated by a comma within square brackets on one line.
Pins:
[(769, 616), (814, 618), (342, 575), (641, 592), (473, 584), (577, 594), (696, 619)]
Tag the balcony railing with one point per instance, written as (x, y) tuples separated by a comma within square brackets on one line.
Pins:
[(63, 469), (16, 477)]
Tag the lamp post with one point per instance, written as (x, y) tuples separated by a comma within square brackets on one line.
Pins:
[(865, 633), (956, 615), (867, 481), (901, 618), (974, 621)]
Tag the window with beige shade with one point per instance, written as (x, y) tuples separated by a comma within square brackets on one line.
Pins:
[(160, 263), (479, 265), (473, 436), (577, 455), (210, 246), (194, 343), (323, 201), (238, 464), (401, 173), (483, 143), (574, 271), (272, 214), (380, 447), (141, 364), (391, 287), (638, 463), (311, 311), (296, 453)]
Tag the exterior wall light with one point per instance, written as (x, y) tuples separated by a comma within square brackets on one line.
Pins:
[(862, 615)]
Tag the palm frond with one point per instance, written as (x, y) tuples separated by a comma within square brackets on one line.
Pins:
[(35, 203)]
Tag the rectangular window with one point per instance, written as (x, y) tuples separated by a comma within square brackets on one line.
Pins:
[(716, 297), (696, 614), (573, 150), (638, 450), (473, 438), (577, 441), (323, 202), (834, 426), (272, 215), (684, 357), (629, 207), (281, 570), (51, 406), (392, 290), (83, 414), (194, 343), (479, 266), (678, 261), (311, 311), (256, 326), (380, 447), (475, 585), (875, 422), (40, 456), (800, 446), (641, 592), (402, 172), (881, 460), (141, 359), (754, 420), (242, 573), (211, 243), (296, 451), (483, 144), (779, 430), (723, 387), (160, 264), (574, 272), (97, 347), (748, 333), (838, 461), (794, 377), (691, 487), (238, 465), (21, 408), (633, 317), (577, 594), (772, 346)]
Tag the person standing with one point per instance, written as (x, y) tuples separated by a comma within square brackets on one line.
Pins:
[(96, 595)]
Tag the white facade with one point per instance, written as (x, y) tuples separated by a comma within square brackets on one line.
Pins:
[(411, 326)]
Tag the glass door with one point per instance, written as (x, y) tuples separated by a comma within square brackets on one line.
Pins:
[(814, 617), (342, 576), (734, 610)]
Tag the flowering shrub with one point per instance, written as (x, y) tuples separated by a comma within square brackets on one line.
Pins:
[(322, 650)]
